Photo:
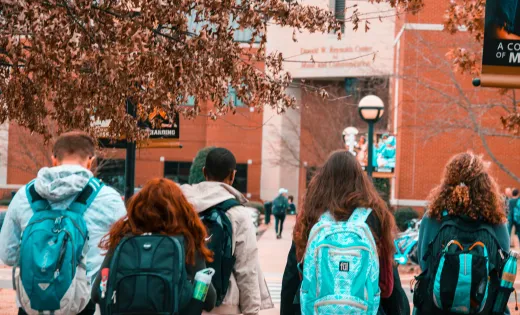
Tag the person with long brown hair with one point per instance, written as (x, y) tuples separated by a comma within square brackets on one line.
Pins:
[(339, 188), (161, 208), (465, 209)]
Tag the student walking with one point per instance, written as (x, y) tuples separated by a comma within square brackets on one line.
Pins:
[(513, 212), (62, 214), (344, 235), (280, 206), (463, 241), (153, 256), (238, 280)]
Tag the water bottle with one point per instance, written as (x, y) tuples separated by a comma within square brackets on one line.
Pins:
[(202, 283), (506, 284)]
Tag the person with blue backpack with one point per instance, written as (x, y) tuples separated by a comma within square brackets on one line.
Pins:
[(343, 241), (513, 207), (463, 242), (52, 230), (280, 207)]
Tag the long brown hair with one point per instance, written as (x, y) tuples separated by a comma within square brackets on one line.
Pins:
[(161, 207), (467, 189), (341, 186)]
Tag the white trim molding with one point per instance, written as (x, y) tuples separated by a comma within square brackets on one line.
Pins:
[(423, 27), (11, 186), (408, 202)]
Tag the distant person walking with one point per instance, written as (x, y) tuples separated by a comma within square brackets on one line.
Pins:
[(239, 281), (63, 212), (292, 206), (513, 209), (280, 206)]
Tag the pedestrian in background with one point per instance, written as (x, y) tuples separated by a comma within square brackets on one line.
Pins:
[(513, 210), (292, 206), (159, 208), (280, 207), (68, 184)]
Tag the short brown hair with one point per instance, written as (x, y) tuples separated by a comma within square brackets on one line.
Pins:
[(74, 143)]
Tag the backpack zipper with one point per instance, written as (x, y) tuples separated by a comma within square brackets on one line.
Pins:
[(340, 302)]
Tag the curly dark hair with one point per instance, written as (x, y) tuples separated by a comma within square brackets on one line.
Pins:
[(467, 189)]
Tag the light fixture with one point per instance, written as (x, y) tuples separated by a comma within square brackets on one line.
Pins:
[(371, 108)]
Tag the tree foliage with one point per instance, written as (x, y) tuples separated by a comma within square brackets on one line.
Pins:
[(72, 62), (469, 14)]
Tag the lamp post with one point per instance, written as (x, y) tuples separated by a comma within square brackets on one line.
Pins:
[(371, 109)]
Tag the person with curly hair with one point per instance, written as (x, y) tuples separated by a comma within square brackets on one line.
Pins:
[(467, 196)]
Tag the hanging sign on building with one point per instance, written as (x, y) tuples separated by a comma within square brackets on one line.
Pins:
[(164, 133), (501, 57)]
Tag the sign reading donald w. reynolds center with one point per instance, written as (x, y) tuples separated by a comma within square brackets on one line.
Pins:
[(501, 58), (357, 54)]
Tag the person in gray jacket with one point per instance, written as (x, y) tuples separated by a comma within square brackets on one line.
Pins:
[(247, 293), (73, 154)]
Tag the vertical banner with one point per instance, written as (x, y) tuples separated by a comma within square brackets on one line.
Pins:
[(501, 58)]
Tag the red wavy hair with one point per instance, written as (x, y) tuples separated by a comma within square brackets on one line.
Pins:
[(161, 207)]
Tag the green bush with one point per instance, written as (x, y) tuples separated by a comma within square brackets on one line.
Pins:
[(257, 205), (403, 216), (5, 202), (383, 187), (196, 174)]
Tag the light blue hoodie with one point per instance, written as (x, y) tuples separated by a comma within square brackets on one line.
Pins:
[(60, 185)]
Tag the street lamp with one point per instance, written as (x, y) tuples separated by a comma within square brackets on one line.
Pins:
[(371, 109)]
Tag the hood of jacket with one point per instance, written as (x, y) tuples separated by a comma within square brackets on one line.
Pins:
[(208, 194), (60, 183)]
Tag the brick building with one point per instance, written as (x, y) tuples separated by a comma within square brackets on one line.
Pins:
[(432, 111), (438, 113), (240, 133)]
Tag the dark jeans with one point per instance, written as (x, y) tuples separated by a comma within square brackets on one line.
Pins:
[(278, 225), (90, 309)]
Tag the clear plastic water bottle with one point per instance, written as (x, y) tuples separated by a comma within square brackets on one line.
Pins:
[(506, 284), (202, 283)]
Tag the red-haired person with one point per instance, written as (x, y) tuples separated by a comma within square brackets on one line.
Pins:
[(160, 208)]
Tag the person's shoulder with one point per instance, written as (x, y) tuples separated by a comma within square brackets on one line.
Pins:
[(240, 214)]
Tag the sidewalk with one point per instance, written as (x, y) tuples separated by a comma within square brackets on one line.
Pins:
[(273, 256)]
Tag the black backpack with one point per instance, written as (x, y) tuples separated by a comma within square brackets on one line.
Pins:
[(148, 276), (280, 205), (220, 233), (464, 264)]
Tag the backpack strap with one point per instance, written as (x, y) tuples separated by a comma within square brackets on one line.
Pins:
[(360, 215), (86, 196), (226, 205), (37, 202)]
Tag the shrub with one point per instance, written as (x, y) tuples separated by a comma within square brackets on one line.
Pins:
[(383, 188), (403, 216), (196, 174), (257, 205)]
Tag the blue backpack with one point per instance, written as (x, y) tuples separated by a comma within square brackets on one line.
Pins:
[(341, 267), (51, 276), (515, 209)]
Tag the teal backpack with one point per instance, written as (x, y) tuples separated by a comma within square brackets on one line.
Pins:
[(341, 268), (51, 276), (515, 209)]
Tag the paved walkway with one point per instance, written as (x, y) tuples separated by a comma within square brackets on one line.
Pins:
[(273, 256)]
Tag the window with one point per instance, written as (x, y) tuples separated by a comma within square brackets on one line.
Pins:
[(232, 96), (112, 173), (311, 170), (339, 11), (241, 178), (178, 172)]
